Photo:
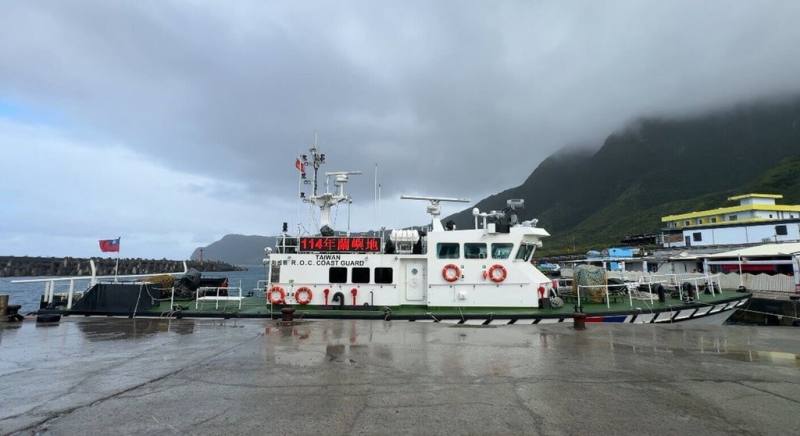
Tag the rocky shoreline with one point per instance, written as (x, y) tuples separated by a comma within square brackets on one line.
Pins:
[(24, 266)]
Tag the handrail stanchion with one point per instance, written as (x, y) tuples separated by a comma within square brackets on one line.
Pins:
[(579, 298), (608, 297), (650, 291), (630, 297), (697, 288), (216, 305), (71, 291), (197, 298), (172, 299)]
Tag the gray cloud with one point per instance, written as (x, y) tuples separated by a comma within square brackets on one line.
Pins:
[(459, 98)]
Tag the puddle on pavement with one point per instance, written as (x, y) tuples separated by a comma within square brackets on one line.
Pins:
[(773, 357)]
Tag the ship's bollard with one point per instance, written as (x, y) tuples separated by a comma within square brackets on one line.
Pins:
[(579, 321), (287, 314)]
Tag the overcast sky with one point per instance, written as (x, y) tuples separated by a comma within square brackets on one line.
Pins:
[(174, 123)]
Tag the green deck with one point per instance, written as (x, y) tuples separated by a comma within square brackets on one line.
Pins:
[(257, 307)]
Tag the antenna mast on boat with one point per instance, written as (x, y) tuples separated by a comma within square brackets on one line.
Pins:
[(326, 200)]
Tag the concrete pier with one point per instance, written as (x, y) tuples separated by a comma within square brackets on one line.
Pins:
[(101, 375)]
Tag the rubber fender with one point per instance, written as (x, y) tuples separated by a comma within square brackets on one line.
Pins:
[(49, 317), (662, 293)]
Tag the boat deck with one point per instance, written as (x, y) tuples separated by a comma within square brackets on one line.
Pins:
[(256, 307)]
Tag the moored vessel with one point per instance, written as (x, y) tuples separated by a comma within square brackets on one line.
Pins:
[(437, 273)]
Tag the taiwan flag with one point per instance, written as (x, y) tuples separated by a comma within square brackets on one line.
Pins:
[(299, 165), (109, 245)]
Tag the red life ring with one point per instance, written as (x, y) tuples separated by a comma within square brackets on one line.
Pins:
[(308, 295), (276, 299), (494, 275), (451, 272)]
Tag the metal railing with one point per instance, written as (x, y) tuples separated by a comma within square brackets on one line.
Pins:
[(711, 282), (261, 287), (217, 298)]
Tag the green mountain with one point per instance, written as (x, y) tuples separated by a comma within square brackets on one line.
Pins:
[(657, 167), (236, 249)]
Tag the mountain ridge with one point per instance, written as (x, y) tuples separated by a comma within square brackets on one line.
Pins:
[(655, 167), (236, 249)]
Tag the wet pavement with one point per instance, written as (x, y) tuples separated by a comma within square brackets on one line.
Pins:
[(103, 375)]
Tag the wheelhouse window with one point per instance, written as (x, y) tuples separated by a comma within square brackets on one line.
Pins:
[(360, 275), (525, 251), (697, 236), (337, 275), (384, 275), (475, 250), (502, 250), (447, 250), (781, 230)]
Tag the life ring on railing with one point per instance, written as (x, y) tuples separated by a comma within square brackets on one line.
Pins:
[(276, 295), (497, 273), (451, 272), (307, 296)]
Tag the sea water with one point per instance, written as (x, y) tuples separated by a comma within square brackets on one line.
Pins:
[(28, 295)]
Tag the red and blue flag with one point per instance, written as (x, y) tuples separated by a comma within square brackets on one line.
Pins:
[(109, 245)]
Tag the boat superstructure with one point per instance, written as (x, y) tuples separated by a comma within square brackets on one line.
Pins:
[(438, 266)]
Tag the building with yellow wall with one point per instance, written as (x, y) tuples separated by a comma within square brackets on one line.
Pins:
[(756, 219)]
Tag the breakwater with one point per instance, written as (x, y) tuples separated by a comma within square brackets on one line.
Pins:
[(25, 266)]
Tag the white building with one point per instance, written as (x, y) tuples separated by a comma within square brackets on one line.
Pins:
[(756, 220)]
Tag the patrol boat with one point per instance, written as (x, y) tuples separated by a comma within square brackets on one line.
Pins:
[(481, 275), (437, 273)]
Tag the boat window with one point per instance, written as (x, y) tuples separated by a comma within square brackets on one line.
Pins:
[(525, 251), (337, 275), (447, 250), (697, 236), (383, 275), (474, 250), (502, 251), (360, 275), (781, 230)]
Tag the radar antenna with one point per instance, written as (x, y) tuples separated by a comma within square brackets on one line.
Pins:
[(434, 209)]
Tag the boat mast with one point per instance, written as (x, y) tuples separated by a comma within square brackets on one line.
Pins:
[(325, 201)]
